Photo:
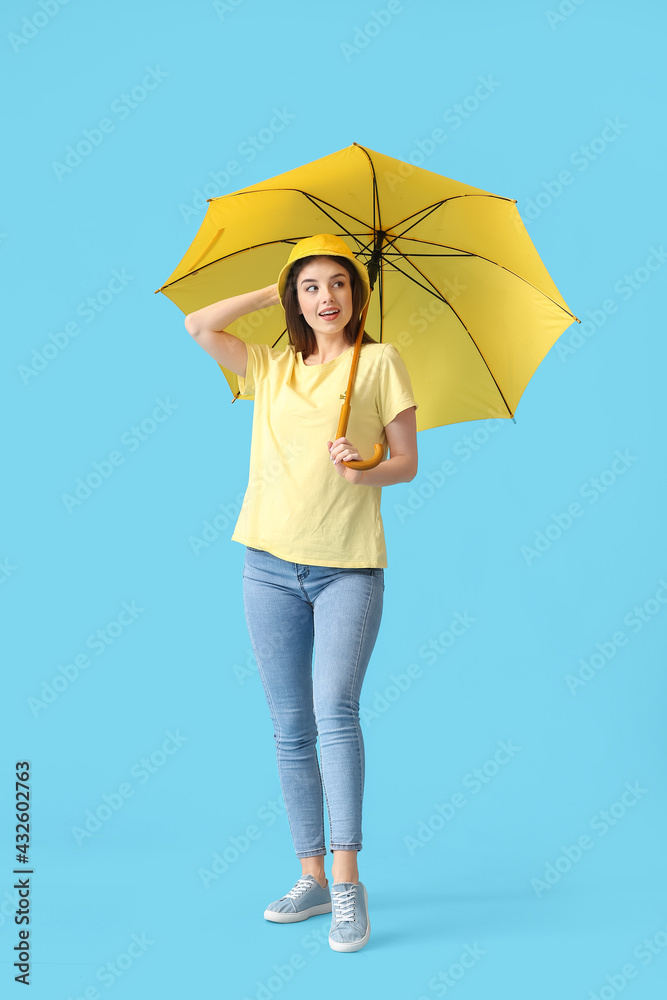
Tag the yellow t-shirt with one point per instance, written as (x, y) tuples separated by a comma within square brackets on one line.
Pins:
[(297, 506)]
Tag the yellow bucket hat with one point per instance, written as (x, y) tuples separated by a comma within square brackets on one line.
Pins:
[(324, 245)]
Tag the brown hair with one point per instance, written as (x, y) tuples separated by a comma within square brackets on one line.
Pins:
[(299, 331)]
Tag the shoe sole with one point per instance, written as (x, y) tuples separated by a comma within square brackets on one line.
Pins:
[(353, 945), (289, 918)]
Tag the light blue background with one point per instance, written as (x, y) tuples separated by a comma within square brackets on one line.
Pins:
[(184, 665)]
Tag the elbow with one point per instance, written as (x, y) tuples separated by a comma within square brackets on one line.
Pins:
[(191, 325)]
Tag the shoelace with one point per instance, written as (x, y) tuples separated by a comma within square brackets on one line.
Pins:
[(300, 887), (344, 903)]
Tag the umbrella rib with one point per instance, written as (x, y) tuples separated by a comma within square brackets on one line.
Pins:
[(438, 294), (319, 202), (477, 348), (382, 261), (255, 246), (316, 202), (376, 196), (468, 253), (456, 252), (424, 212)]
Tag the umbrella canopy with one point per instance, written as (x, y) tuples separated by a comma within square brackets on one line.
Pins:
[(458, 286)]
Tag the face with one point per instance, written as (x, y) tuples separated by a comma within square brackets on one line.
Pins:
[(324, 285)]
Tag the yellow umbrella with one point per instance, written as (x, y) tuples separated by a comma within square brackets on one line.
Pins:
[(461, 290)]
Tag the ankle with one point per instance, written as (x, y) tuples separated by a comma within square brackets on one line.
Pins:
[(320, 876), (345, 877)]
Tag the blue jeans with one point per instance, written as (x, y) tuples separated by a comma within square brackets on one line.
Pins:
[(290, 610)]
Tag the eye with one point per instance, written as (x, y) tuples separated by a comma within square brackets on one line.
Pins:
[(339, 281)]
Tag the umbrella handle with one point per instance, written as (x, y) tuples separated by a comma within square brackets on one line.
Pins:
[(378, 453)]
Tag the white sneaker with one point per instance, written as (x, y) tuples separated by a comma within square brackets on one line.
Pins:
[(305, 899), (350, 926)]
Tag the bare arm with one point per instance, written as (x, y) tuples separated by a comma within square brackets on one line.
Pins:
[(207, 326), (402, 440)]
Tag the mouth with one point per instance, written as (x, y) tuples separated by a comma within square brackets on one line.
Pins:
[(330, 313)]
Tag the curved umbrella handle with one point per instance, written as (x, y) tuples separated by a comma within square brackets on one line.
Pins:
[(378, 453), (369, 463)]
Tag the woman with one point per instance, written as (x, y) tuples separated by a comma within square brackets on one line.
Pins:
[(313, 578)]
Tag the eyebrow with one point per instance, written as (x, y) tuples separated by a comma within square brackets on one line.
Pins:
[(341, 274)]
